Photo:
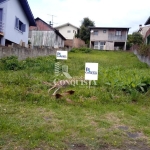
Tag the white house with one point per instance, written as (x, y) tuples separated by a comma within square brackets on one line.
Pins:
[(68, 30), (15, 19)]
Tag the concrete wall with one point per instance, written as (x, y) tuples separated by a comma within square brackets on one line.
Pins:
[(68, 43), (63, 30), (23, 53), (13, 9), (109, 46), (76, 43), (145, 59)]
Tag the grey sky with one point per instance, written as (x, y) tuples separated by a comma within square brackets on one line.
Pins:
[(112, 13)]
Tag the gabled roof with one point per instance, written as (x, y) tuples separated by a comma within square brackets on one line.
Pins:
[(28, 12), (110, 28), (36, 19), (143, 30), (147, 22), (66, 24), (55, 30)]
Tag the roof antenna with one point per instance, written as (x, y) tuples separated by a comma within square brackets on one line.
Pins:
[(51, 23)]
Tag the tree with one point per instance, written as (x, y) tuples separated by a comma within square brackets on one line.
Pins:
[(136, 38), (84, 32), (129, 42)]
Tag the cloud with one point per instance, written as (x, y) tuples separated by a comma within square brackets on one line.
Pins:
[(124, 13)]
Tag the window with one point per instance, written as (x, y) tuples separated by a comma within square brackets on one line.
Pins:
[(68, 31), (118, 33), (19, 25), (2, 1), (104, 31), (95, 43), (102, 43), (95, 32)]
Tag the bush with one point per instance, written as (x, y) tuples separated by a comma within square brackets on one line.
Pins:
[(82, 49), (10, 63), (129, 45), (144, 50)]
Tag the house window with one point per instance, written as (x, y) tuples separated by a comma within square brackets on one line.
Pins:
[(68, 31), (95, 32), (118, 33), (19, 25), (2, 1), (104, 31)]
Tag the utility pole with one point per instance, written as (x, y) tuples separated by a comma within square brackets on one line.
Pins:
[(51, 23)]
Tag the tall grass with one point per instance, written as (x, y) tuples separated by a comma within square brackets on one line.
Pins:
[(31, 118)]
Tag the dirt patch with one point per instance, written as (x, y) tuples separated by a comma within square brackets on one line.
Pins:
[(112, 118), (79, 146), (129, 145), (136, 145)]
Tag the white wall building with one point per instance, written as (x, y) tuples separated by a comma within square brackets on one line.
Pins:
[(15, 19), (68, 30)]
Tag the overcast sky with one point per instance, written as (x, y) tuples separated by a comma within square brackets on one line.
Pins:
[(107, 13)]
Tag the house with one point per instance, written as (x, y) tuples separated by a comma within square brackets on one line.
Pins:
[(45, 35), (147, 35), (108, 38), (69, 31), (145, 32), (15, 19)]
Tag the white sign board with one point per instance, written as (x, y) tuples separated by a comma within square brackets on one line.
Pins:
[(61, 54), (91, 71)]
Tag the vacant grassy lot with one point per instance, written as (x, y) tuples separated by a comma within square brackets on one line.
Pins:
[(114, 114)]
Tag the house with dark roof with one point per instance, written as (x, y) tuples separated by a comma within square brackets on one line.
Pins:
[(15, 19), (108, 38), (43, 34)]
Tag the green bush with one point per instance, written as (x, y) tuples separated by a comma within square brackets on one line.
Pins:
[(144, 50), (10, 63), (82, 49)]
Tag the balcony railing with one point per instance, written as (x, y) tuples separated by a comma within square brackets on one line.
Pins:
[(117, 38), (1, 27)]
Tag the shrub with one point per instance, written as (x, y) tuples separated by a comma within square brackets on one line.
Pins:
[(144, 50), (10, 63), (82, 49)]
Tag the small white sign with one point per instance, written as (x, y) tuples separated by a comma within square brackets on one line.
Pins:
[(61, 54), (91, 71)]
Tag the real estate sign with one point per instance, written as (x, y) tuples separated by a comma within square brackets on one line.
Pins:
[(62, 55), (91, 71)]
